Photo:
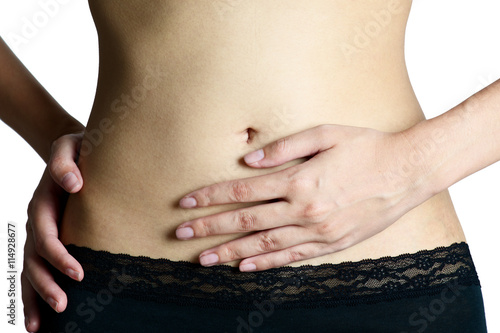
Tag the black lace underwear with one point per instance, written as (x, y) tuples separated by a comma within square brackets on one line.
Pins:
[(426, 272)]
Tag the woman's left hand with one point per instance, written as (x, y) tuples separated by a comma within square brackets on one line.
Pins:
[(357, 182)]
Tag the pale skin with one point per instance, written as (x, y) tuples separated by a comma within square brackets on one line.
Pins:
[(323, 220), (327, 204), (333, 206)]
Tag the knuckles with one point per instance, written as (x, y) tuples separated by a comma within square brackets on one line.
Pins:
[(294, 255), (59, 164), (281, 146), (73, 139), (305, 188), (229, 254), (342, 243), (326, 230), (314, 212), (300, 181), (203, 196), (246, 221), (203, 227), (40, 245), (266, 243), (239, 191)]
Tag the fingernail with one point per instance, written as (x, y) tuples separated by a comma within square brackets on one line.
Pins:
[(209, 259), (53, 304), (254, 156), (188, 202), (248, 268), (70, 181), (73, 274), (184, 233)]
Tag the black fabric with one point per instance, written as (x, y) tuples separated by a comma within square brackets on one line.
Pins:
[(428, 291)]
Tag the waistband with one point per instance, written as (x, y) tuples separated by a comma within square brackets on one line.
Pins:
[(367, 281)]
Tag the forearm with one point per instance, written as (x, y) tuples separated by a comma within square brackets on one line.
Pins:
[(28, 108), (459, 142)]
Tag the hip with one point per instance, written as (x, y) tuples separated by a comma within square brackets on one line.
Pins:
[(435, 289)]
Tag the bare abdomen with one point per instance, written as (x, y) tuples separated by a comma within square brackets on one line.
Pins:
[(178, 109)]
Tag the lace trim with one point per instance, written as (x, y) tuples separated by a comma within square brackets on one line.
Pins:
[(371, 280)]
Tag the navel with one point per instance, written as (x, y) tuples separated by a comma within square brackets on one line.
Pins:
[(250, 132)]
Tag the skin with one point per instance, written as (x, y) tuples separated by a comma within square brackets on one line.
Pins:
[(55, 136), (318, 201), (201, 106)]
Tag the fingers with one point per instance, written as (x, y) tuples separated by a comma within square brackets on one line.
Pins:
[(36, 279), (42, 281), (51, 249), (42, 233), (259, 188), (289, 255), (43, 214), (31, 312), (62, 163), (262, 242), (302, 144), (39, 283), (259, 217), (265, 187)]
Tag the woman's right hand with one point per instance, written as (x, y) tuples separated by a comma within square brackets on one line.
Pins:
[(42, 247)]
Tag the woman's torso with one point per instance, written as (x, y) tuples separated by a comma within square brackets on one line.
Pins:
[(181, 82)]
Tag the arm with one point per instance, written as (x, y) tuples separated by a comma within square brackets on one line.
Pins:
[(29, 109), (459, 142), (323, 197)]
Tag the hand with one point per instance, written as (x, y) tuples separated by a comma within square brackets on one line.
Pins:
[(357, 183), (42, 241)]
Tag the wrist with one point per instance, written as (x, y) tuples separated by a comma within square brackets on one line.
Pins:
[(29, 109), (69, 126), (64, 124), (424, 156), (439, 144)]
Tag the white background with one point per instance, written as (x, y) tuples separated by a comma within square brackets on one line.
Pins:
[(453, 50)]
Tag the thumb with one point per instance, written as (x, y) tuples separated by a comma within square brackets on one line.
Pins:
[(62, 165), (306, 143)]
